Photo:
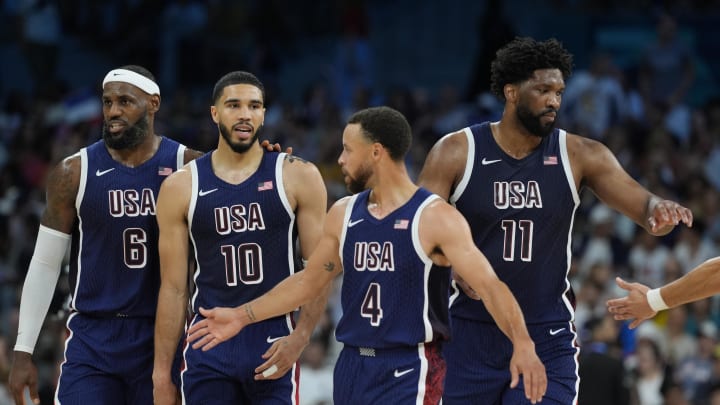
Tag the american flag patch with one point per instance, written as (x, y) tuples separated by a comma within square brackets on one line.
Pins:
[(549, 160), (265, 185), (164, 171), (401, 224)]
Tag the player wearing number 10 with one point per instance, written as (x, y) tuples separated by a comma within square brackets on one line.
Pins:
[(517, 183), (243, 209)]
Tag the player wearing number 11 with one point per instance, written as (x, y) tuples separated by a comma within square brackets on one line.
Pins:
[(386, 238), (517, 182)]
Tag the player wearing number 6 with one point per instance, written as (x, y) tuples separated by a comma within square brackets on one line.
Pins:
[(517, 182), (385, 239), (242, 209)]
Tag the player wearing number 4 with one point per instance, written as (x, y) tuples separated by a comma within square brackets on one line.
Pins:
[(101, 203), (243, 209), (517, 182), (386, 238)]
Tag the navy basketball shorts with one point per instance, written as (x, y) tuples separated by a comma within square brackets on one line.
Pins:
[(225, 374), (107, 361), (478, 360), (398, 376)]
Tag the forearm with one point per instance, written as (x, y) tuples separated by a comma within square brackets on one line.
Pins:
[(506, 312), (310, 313), (169, 327), (285, 297), (702, 282)]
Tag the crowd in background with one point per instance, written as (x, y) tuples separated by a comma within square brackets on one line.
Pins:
[(645, 113)]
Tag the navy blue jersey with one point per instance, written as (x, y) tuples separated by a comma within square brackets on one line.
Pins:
[(390, 298), (114, 265), (243, 234), (521, 214)]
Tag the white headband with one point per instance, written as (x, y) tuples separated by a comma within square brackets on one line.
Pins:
[(136, 79)]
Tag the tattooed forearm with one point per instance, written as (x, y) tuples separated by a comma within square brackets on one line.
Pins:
[(329, 267), (293, 158), (250, 313)]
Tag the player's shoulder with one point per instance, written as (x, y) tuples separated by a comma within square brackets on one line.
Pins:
[(191, 154), (298, 167)]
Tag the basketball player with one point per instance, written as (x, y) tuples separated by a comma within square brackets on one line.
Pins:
[(243, 209), (101, 203), (517, 182), (642, 303), (386, 238)]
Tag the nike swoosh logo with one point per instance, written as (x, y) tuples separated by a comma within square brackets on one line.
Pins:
[(486, 162), (399, 373), (271, 339), (102, 172), (353, 223), (554, 332), (203, 193)]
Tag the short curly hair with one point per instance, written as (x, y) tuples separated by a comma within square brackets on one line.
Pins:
[(517, 60), (386, 126)]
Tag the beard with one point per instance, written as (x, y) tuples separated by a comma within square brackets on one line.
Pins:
[(129, 138), (237, 147), (533, 122), (359, 182)]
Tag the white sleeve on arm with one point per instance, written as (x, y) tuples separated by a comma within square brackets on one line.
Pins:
[(39, 287)]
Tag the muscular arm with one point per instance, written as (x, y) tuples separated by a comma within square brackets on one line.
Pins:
[(172, 207), (444, 232), (57, 224), (598, 168), (444, 165), (323, 266), (702, 282), (306, 190), (311, 197)]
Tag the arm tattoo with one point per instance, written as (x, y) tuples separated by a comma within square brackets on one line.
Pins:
[(329, 267), (249, 312), (293, 158)]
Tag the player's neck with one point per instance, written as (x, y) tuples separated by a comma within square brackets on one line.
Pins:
[(234, 167), (513, 138), (134, 157), (391, 191)]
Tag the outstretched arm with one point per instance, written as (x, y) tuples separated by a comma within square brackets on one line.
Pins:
[(221, 324), (443, 228), (642, 303), (306, 189), (601, 171)]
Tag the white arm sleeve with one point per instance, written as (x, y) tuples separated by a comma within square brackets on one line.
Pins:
[(39, 287)]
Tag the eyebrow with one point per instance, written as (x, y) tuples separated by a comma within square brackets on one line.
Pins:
[(237, 100)]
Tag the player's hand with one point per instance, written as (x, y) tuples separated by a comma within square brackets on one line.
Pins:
[(526, 362), (165, 393), (280, 357), (23, 373), (219, 325), (634, 306), (666, 213), (465, 287), (275, 147)]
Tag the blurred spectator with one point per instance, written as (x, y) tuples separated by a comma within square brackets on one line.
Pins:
[(666, 74), (594, 99), (42, 31), (650, 374), (646, 258), (603, 378), (693, 248), (316, 375), (694, 374)]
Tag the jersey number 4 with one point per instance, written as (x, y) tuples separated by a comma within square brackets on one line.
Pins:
[(510, 228), (371, 307), (243, 263)]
